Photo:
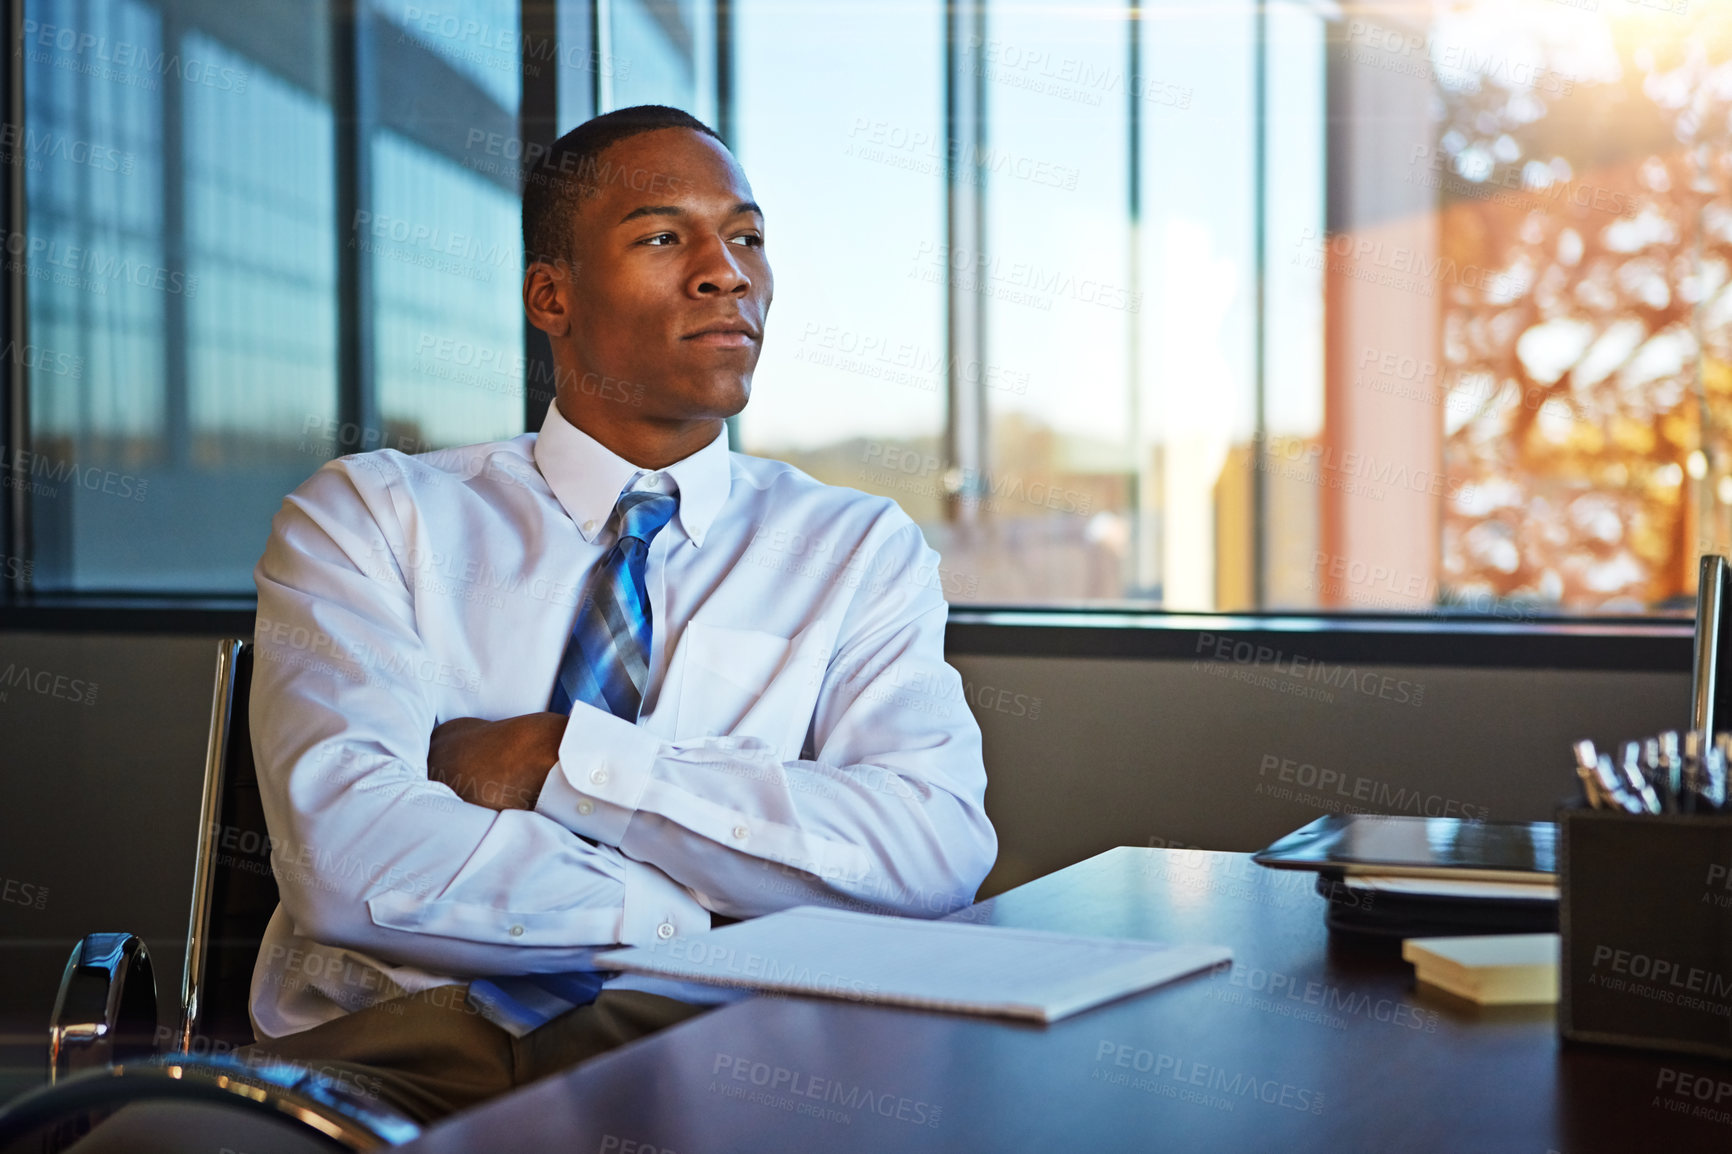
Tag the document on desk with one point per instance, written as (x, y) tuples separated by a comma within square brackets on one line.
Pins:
[(954, 966)]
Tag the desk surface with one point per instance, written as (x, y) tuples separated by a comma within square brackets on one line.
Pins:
[(1304, 1045)]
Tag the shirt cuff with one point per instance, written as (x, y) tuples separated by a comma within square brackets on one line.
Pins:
[(657, 908), (603, 769)]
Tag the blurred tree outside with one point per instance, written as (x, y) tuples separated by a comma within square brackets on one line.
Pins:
[(1588, 387)]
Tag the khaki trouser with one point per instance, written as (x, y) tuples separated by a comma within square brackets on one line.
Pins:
[(431, 1054)]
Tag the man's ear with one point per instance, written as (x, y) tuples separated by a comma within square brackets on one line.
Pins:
[(547, 296)]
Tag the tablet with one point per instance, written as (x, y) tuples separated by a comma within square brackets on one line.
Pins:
[(1439, 847)]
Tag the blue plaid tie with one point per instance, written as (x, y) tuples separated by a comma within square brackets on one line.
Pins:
[(606, 664), (607, 659)]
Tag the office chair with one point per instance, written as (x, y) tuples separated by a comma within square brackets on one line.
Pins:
[(117, 1082)]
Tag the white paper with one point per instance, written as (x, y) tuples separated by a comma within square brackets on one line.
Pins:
[(957, 966)]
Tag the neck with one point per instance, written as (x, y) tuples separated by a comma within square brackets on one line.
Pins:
[(645, 442)]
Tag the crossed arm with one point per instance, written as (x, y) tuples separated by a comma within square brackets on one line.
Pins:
[(499, 765), (474, 846)]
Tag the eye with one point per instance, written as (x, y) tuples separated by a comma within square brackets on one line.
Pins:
[(749, 240), (660, 239)]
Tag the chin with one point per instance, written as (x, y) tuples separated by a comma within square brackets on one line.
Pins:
[(698, 397), (725, 398), (741, 396)]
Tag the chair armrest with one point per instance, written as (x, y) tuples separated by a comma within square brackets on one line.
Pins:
[(339, 1112), (106, 1009)]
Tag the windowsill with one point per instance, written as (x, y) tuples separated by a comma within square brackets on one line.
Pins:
[(194, 614), (1632, 644)]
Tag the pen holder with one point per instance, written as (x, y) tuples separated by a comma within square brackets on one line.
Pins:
[(1645, 913)]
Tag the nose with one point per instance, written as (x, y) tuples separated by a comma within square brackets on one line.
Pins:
[(717, 271)]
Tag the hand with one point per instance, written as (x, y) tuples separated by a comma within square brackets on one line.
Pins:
[(497, 764)]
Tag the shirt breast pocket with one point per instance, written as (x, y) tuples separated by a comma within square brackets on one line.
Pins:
[(748, 683)]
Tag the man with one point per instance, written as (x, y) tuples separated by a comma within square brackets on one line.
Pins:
[(519, 702)]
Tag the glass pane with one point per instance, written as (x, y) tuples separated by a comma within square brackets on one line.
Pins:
[(259, 199), (845, 151), (1529, 384), (442, 228), (579, 65), (479, 38), (447, 312), (1587, 372), (663, 52), (180, 250), (1054, 278), (1293, 207)]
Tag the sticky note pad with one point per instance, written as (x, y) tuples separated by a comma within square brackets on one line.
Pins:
[(1491, 969)]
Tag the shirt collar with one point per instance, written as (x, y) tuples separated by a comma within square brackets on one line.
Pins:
[(587, 477)]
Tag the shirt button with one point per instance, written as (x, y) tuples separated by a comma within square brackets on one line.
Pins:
[(599, 776), (588, 528), (517, 931), (665, 931), (740, 832), (586, 808)]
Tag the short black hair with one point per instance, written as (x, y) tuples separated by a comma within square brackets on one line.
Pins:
[(571, 172)]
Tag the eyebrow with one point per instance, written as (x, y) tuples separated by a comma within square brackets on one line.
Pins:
[(676, 210)]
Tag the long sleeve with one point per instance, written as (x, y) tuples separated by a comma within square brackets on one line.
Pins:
[(371, 855), (886, 812)]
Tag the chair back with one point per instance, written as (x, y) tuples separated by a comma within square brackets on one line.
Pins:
[(234, 889)]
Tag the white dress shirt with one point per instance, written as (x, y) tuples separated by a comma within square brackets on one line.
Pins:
[(801, 740)]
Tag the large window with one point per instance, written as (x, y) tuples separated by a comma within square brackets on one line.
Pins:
[(1288, 306)]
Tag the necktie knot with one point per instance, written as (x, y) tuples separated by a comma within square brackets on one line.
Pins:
[(643, 514)]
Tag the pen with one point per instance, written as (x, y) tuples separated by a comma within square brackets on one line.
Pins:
[(1586, 760), (1651, 762), (1635, 782), (1714, 780), (1607, 777), (1696, 749), (1672, 765), (1716, 769)]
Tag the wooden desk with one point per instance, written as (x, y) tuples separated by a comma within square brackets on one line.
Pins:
[(1304, 1045)]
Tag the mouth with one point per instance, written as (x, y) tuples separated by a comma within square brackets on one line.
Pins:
[(734, 334)]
